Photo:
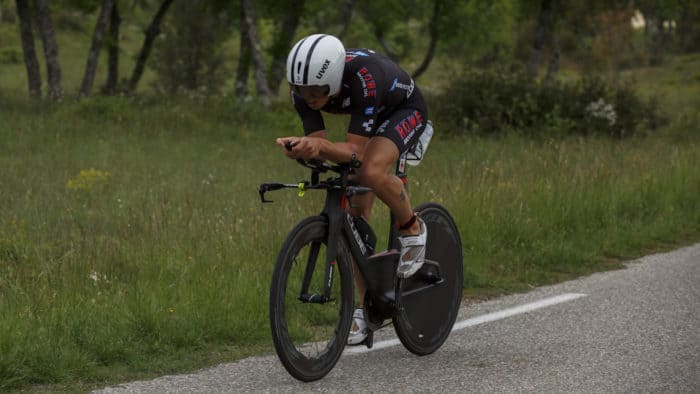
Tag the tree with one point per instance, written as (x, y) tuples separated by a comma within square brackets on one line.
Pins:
[(258, 60), (190, 57), (383, 24), (282, 43), (345, 17), (245, 57), (670, 22), (115, 21), (433, 27), (545, 34), (403, 29), (93, 54), (31, 62), (688, 26), (48, 39), (287, 19), (151, 33)]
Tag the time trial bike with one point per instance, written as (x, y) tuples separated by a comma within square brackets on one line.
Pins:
[(312, 291)]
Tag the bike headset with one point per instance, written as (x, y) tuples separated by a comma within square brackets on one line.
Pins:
[(315, 66)]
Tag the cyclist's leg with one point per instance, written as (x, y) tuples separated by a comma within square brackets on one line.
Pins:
[(361, 206), (394, 136), (381, 155)]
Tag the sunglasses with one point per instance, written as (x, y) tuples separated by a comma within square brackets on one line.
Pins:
[(311, 92)]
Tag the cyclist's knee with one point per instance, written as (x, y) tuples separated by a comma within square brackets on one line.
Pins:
[(371, 174)]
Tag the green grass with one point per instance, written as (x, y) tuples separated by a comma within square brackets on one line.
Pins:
[(675, 83), (133, 242)]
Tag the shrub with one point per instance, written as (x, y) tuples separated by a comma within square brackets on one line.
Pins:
[(490, 102)]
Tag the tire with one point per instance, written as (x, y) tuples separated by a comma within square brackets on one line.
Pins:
[(424, 320), (310, 337)]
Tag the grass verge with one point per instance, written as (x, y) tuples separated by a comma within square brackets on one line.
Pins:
[(133, 242)]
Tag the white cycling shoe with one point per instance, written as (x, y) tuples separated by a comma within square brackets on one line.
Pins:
[(412, 252), (358, 331)]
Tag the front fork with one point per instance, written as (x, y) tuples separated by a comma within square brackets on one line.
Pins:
[(334, 216)]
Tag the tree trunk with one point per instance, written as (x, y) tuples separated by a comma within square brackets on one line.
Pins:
[(688, 28), (30, 60), (115, 21), (283, 43), (244, 60), (379, 34), (553, 42), (345, 17), (48, 39), (94, 53), (259, 62), (151, 34), (543, 26), (434, 33), (553, 67)]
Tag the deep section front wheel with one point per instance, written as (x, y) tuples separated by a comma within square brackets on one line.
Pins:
[(309, 331), (426, 304)]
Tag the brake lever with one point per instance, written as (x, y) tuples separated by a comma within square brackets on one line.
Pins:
[(266, 187), (288, 145)]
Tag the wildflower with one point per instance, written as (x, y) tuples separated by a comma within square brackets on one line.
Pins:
[(602, 110), (88, 179), (97, 278)]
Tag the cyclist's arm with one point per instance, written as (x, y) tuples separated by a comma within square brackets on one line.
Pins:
[(315, 145), (317, 134), (342, 152)]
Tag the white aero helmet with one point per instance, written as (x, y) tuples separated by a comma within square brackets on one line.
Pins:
[(317, 60)]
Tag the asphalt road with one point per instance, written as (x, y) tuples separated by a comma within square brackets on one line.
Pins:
[(630, 330)]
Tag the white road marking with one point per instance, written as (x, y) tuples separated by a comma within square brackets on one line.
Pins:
[(489, 317)]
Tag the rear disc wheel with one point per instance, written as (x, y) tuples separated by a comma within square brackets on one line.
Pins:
[(423, 319)]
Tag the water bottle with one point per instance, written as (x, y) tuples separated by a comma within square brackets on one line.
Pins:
[(415, 155)]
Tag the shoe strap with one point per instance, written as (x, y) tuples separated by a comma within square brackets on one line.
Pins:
[(412, 240), (408, 224)]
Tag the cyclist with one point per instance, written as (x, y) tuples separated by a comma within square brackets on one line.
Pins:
[(387, 115)]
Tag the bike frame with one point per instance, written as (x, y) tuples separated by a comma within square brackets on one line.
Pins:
[(340, 223)]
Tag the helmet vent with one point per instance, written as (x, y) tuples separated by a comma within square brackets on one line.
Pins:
[(308, 58), (296, 52)]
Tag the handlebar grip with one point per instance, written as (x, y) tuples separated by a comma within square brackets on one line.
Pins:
[(289, 145)]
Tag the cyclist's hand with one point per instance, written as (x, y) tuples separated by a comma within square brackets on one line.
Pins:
[(287, 145), (301, 148)]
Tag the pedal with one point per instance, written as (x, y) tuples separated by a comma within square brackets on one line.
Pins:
[(369, 341), (430, 271)]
